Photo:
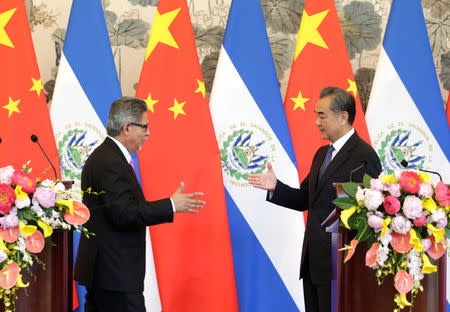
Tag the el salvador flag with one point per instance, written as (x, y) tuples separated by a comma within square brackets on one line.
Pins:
[(85, 87), (251, 130), (405, 115)]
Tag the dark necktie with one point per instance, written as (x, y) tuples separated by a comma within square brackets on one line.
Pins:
[(326, 161)]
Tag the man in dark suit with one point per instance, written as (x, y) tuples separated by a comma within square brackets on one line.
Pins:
[(347, 155), (111, 264)]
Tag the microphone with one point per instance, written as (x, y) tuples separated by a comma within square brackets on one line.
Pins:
[(34, 138), (406, 165), (357, 168)]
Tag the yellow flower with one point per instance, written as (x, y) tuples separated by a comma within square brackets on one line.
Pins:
[(346, 214), (425, 177), (3, 246), (48, 230), (27, 230), (429, 204), (401, 301), (19, 193), (385, 225), (66, 202), (437, 233), (427, 267), (388, 178), (20, 282), (415, 241)]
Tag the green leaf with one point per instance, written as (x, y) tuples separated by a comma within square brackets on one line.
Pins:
[(350, 188), (26, 213), (447, 232), (359, 221), (344, 202), (366, 180)]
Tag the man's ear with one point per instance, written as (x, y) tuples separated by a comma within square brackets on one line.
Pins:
[(125, 128), (344, 117)]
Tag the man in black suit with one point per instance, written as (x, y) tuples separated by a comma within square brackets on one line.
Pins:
[(332, 163), (111, 264)]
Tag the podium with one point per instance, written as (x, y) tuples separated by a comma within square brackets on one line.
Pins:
[(52, 289), (355, 287)]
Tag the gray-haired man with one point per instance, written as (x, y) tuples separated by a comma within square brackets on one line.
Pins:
[(111, 264)]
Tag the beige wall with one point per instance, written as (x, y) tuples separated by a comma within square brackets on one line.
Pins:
[(48, 20)]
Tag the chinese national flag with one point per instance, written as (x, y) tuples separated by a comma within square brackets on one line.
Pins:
[(23, 109), (193, 258), (320, 60)]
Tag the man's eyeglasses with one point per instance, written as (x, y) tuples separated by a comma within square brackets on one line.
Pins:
[(145, 126)]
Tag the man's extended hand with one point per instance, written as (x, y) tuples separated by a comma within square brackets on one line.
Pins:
[(265, 181), (184, 202)]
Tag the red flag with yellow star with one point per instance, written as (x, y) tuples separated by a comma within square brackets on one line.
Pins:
[(23, 109), (193, 258), (320, 60)]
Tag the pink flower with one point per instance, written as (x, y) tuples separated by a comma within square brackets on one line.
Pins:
[(403, 282), (426, 190), (7, 198), (442, 194), (426, 243), (25, 180), (394, 189), (376, 223), (376, 184), (442, 223), (412, 207), (391, 204), (410, 181), (400, 224), (420, 220), (373, 199), (9, 221), (45, 196), (5, 174)]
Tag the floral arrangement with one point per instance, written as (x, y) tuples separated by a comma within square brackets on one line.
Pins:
[(405, 220), (29, 212)]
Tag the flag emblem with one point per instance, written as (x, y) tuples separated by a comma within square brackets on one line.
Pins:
[(245, 151), (404, 142), (75, 144)]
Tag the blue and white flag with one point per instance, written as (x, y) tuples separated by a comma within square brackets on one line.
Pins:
[(252, 130), (85, 87), (405, 115)]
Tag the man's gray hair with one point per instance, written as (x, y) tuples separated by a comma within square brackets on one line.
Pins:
[(342, 101), (123, 110)]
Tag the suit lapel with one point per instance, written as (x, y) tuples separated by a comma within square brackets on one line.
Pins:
[(339, 159), (315, 167), (128, 167)]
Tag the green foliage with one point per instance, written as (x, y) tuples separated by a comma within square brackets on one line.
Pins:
[(366, 180), (344, 202), (350, 188)]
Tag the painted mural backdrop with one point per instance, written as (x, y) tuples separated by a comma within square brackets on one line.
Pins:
[(130, 21)]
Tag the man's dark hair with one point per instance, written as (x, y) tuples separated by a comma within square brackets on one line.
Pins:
[(342, 101), (123, 110)]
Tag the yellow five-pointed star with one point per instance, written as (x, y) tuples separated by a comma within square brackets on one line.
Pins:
[(4, 19), (177, 108), (352, 87), (160, 31), (299, 101), (151, 102), (12, 107), (37, 86), (201, 88), (308, 31)]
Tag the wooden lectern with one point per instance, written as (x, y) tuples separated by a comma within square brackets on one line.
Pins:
[(357, 287), (52, 290)]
